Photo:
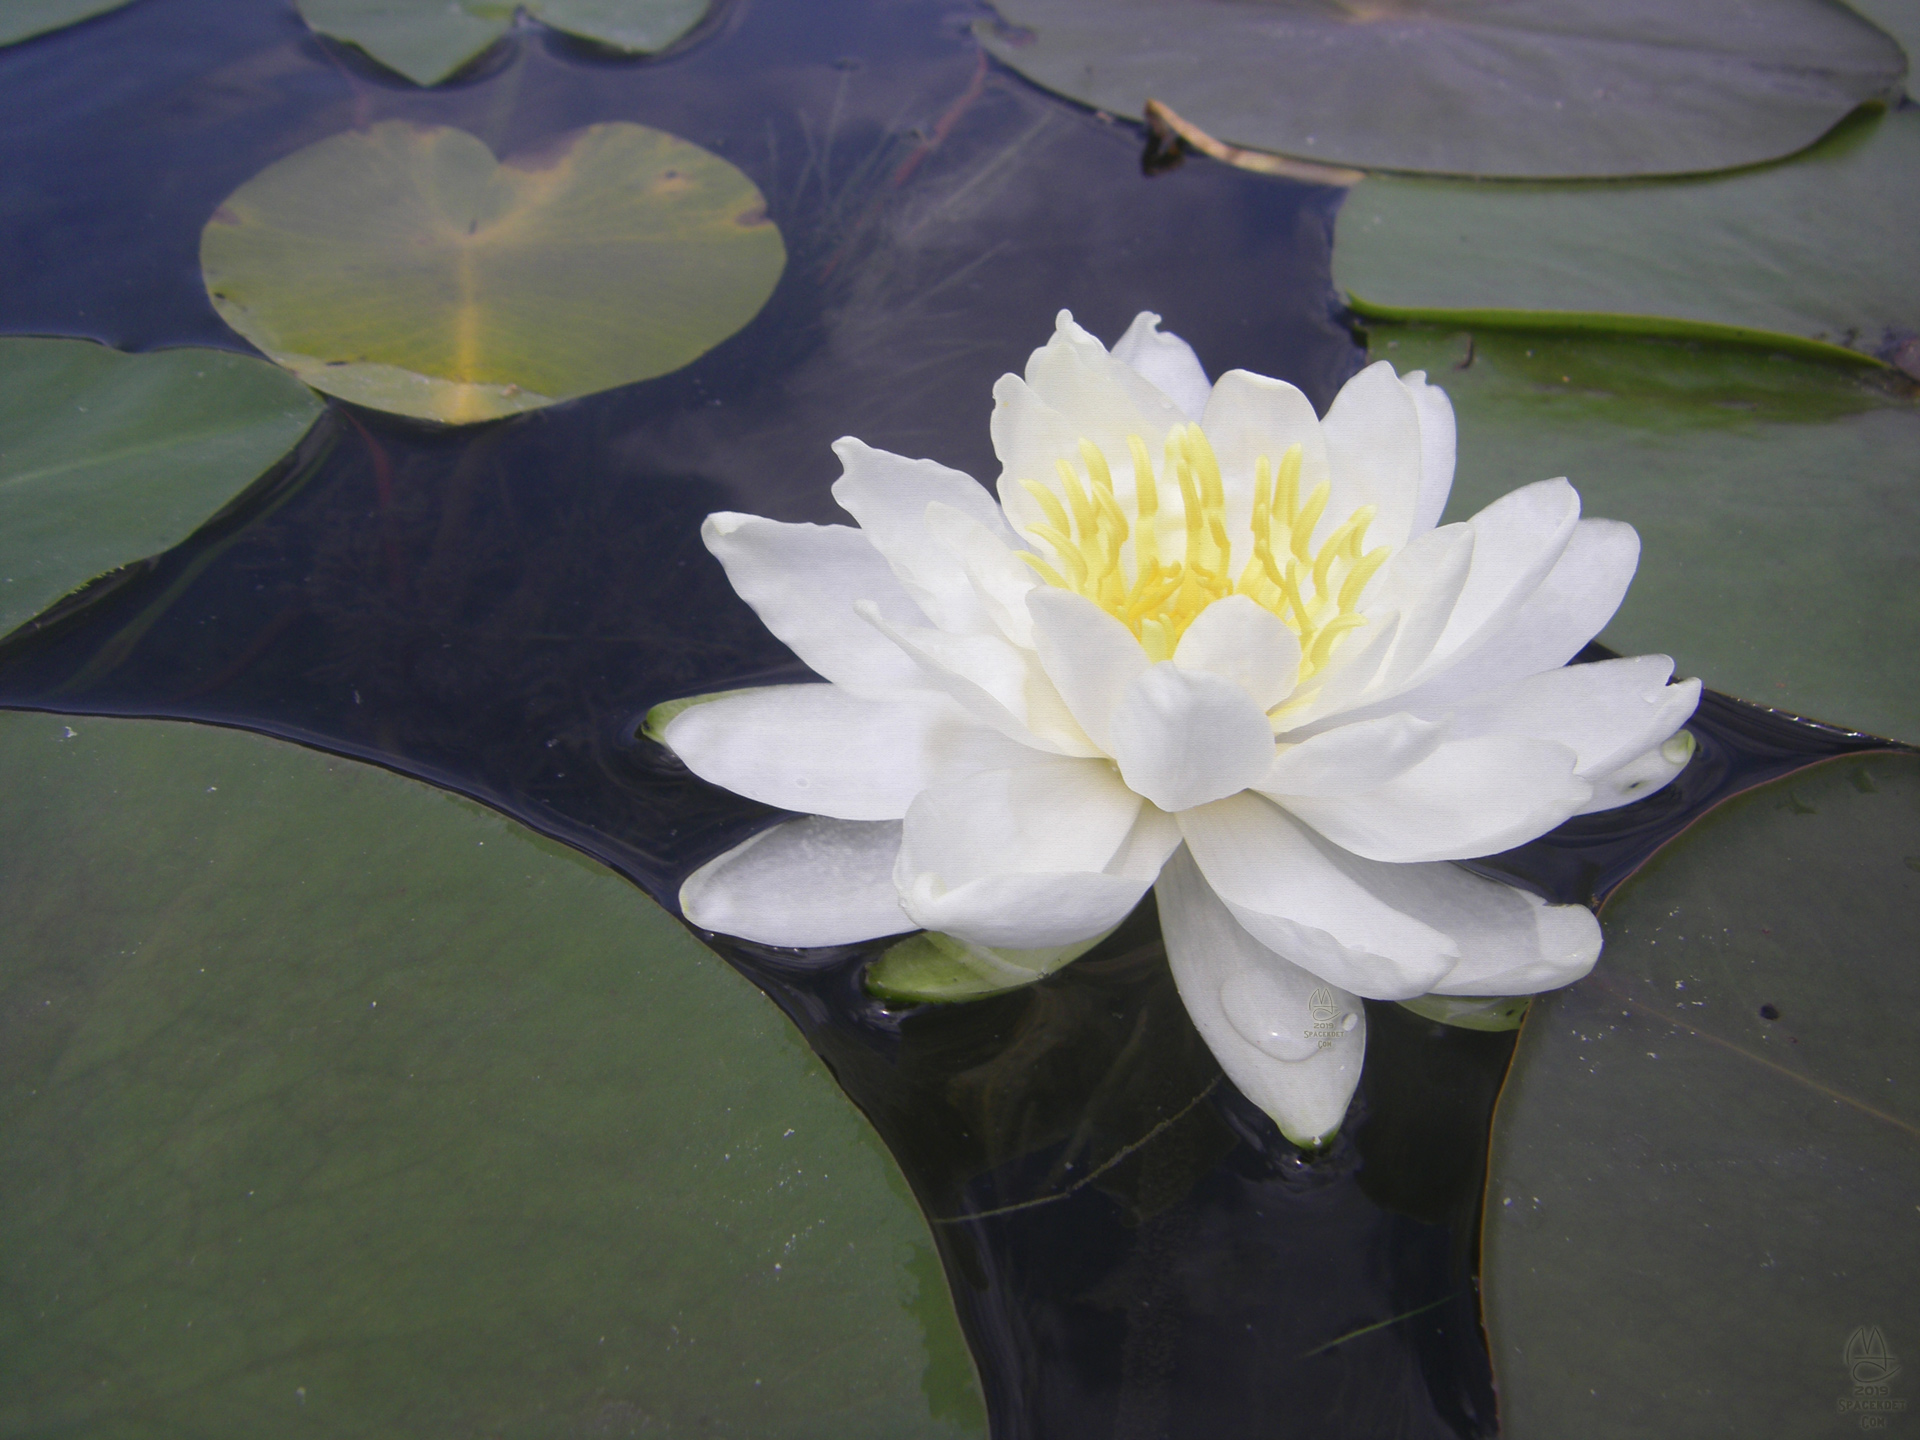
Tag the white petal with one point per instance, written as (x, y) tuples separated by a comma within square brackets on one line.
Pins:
[(1511, 943), (1250, 416), (1090, 656), (1166, 362), (1028, 436), (1436, 449), (1260, 1014), (1184, 737), (1640, 776), (1028, 858), (1241, 641), (1313, 902), (993, 567), (820, 750), (806, 882), (1468, 798), (1517, 541), (995, 681), (1608, 713), (1353, 759), (1104, 399), (1376, 454), (803, 582), (1421, 584)]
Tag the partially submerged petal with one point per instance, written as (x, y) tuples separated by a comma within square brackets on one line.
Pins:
[(806, 882)]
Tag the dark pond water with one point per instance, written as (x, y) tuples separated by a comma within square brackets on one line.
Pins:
[(1133, 1249)]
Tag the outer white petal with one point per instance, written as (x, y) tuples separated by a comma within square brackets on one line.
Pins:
[(1313, 902), (995, 681), (992, 567), (1468, 798), (1511, 943), (1376, 455), (1240, 641), (1420, 584), (1256, 1011), (807, 882), (1030, 858), (1353, 759), (1166, 362), (1185, 737), (1517, 541), (1640, 776), (820, 750), (803, 581), (1090, 656), (1608, 713), (1436, 449), (889, 496)]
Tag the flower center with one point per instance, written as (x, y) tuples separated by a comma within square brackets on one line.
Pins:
[(1180, 564)]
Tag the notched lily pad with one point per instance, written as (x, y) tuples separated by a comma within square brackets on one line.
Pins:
[(1705, 1160), (404, 268), (106, 458), (427, 40), (23, 19), (1819, 247), (1533, 88)]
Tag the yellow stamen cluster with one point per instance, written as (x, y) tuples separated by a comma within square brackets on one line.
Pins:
[(1315, 591)]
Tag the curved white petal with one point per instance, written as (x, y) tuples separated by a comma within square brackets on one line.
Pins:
[(1640, 776), (1105, 399), (1166, 362), (1511, 943), (993, 567), (1436, 449), (823, 751), (1353, 759), (1250, 416), (1517, 541), (1090, 656), (803, 581), (1313, 902), (1376, 455), (1240, 641), (1028, 858), (1185, 737), (1468, 798), (814, 881), (1420, 584), (1608, 713), (1290, 1042)]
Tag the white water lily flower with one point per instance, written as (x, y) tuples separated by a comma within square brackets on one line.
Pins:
[(1204, 641)]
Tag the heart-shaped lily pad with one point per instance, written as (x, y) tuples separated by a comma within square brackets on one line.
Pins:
[(334, 1104), (404, 268), (1777, 500), (1536, 88), (23, 19), (1820, 246), (107, 458), (427, 40), (1705, 1163)]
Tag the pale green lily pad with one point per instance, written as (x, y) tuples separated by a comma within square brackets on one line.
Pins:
[(1777, 501), (427, 40), (107, 458), (933, 966), (23, 19), (1533, 88), (1472, 1012), (404, 268), (334, 1104), (1707, 1156), (1821, 247)]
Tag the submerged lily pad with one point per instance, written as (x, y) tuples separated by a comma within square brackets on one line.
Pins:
[(1536, 88), (331, 1103), (23, 19), (1706, 1157), (107, 458), (427, 40), (1821, 246), (1777, 500), (404, 268)]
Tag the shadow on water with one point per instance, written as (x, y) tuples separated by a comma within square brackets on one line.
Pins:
[(1135, 1251)]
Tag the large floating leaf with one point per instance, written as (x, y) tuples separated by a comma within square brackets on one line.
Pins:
[(1821, 246), (403, 267), (1777, 500), (107, 458), (1706, 1159), (333, 1104), (427, 40), (22, 19), (1469, 87)]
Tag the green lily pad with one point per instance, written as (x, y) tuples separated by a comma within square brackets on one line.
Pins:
[(1533, 88), (334, 1104), (937, 967), (1706, 1159), (107, 458), (23, 19), (427, 40), (1777, 500), (404, 268), (1821, 246), (1471, 1012)]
